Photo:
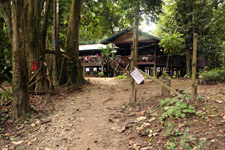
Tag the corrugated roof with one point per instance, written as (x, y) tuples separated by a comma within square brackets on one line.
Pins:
[(91, 47), (124, 31)]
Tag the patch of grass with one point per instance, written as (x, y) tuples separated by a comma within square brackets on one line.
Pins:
[(122, 77)]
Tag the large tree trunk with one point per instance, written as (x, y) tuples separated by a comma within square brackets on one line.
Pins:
[(19, 69), (72, 73), (34, 46)]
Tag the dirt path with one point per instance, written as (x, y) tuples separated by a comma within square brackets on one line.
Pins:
[(82, 120)]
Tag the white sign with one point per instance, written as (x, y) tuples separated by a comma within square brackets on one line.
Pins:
[(138, 77)]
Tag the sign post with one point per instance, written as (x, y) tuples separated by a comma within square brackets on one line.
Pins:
[(137, 76)]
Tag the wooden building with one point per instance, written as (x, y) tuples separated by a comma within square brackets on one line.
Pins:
[(151, 57)]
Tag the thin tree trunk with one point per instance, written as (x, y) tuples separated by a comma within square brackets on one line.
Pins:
[(167, 62), (188, 60), (194, 62), (134, 53), (44, 30), (55, 42), (19, 69)]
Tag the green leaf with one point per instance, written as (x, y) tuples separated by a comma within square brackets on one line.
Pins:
[(186, 110), (184, 105), (183, 115)]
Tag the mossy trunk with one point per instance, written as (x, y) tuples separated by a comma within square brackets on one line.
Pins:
[(19, 69), (71, 70)]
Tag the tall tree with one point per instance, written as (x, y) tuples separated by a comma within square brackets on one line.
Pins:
[(19, 69), (23, 20), (189, 16), (72, 71)]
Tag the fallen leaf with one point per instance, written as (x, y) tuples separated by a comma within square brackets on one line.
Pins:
[(152, 119), (124, 128), (17, 143), (141, 118), (147, 148), (29, 143), (146, 124)]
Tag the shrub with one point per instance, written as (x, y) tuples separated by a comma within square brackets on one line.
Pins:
[(101, 74), (214, 74), (175, 108)]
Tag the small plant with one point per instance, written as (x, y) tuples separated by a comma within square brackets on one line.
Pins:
[(101, 74), (175, 108), (191, 143), (5, 96), (170, 146)]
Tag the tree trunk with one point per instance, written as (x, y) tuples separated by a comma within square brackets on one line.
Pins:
[(44, 29), (55, 42), (188, 61), (74, 74), (194, 62), (167, 62), (19, 69), (134, 53)]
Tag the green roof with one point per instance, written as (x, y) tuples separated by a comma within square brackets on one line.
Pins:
[(124, 31)]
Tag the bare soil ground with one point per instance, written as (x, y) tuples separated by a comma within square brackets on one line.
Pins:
[(98, 117)]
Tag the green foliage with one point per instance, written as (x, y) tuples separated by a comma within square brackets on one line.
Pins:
[(121, 77), (190, 143), (214, 74), (203, 17), (185, 143), (5, 96), (101, 19), (175, 108), (172, 43), (170, 146), (5, 52), (101, 74)]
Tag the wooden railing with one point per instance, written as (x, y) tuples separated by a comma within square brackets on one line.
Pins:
[(124, 60)]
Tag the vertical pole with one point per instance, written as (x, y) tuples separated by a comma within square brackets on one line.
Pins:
[(84, 71), (193, 86), (154, 63), (134, 53)]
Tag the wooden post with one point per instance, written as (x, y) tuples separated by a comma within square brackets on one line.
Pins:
[(103, 68), (167, 81), (155, 64), (134, 53), (84, 71), (194, 60)]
